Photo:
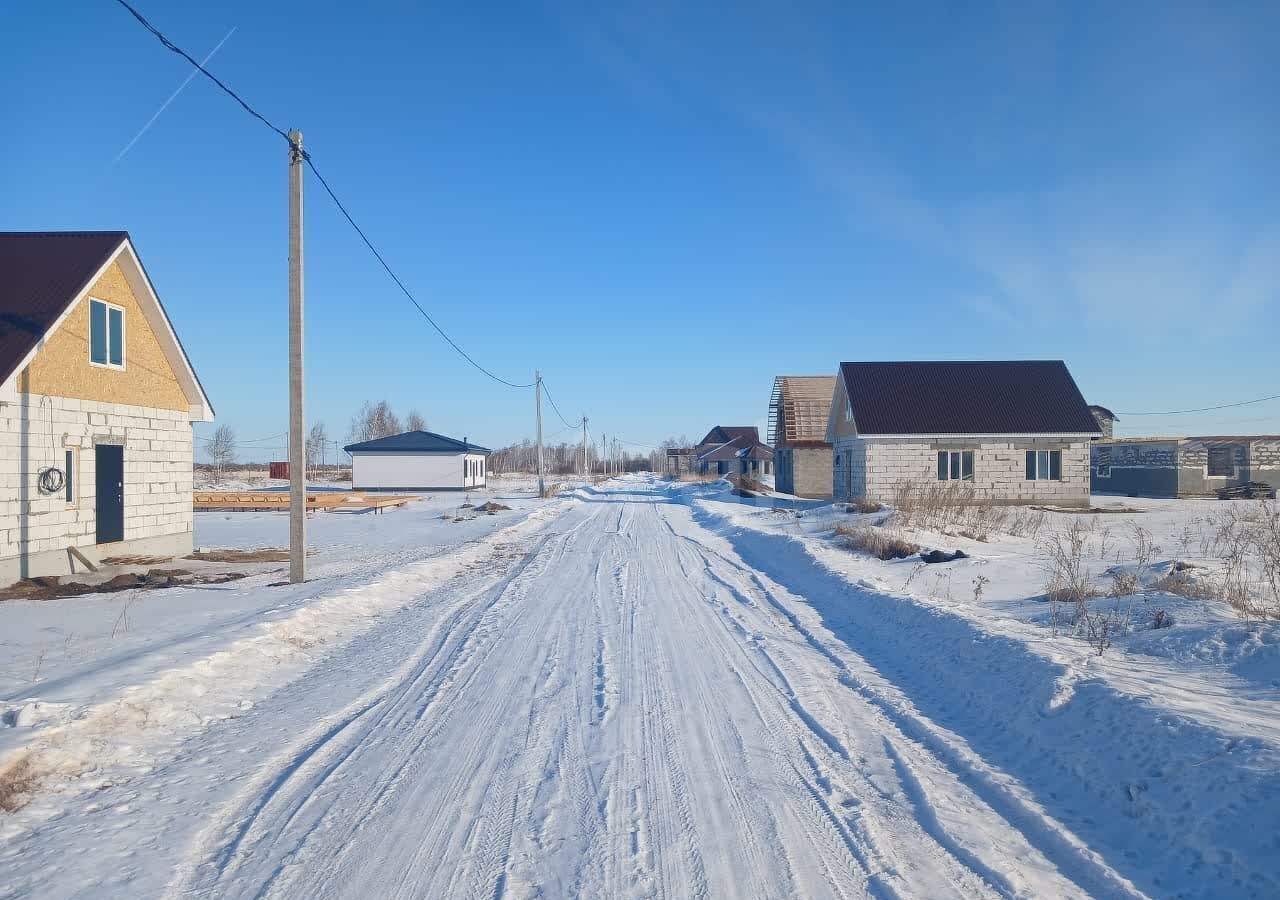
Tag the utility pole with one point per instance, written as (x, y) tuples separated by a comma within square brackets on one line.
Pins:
[(537, 389), (585, 471), (297, 441)]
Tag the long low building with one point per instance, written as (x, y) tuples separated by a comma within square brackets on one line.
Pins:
[(1183, 466), (418, 461)]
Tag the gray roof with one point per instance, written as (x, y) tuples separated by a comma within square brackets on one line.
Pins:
[(973, 397), (417, 442)]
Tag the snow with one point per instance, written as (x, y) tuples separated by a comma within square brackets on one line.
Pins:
[(639, 689)]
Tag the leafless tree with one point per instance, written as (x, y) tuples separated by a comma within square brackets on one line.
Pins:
[(222, 447), (415, 421), (375, 420), (316, 441)]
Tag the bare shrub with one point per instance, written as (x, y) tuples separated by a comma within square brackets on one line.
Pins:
[(1124, 583), (1026, 522), (863, 505), (1246, 537), (1181, 584), (879, 542), (1069, 583), (16, 782)]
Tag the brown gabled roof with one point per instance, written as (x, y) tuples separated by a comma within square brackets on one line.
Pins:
[(976, 397), (722, 434), (41, 273)]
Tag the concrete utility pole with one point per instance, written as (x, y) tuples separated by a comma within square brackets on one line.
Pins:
[(585, 470), (537, 389), (297, 440)]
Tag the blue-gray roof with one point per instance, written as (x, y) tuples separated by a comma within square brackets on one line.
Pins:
[(417, 442)]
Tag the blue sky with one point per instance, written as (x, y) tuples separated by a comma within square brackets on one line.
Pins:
[(664, 207)]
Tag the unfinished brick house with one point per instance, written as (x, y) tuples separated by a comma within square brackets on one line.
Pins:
[(798, 412), (97, 398), (1183, 466), (733, 450), (1016, 431)]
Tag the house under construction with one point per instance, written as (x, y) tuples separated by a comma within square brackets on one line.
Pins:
[(798, 430)]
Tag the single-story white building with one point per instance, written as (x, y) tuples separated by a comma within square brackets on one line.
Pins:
[(418, 461), (97, 398)]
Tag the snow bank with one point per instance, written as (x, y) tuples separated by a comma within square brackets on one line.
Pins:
[(1176, 771), (73, 749)]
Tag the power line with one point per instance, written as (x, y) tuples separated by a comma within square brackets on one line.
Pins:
[(400, 284), (567, 423), (1179, 412), (249, 440), (334, 197)]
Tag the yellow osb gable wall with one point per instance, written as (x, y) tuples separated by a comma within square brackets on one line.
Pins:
[(61, 368)]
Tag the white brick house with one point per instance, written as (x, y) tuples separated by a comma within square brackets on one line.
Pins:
[(97, 398), (1015, 431)]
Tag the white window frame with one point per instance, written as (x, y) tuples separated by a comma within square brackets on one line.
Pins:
[(960, 465), (1102, 471), (1046, 473), (124, 334)]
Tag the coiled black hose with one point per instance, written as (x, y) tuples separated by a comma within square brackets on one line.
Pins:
[(51, 480)]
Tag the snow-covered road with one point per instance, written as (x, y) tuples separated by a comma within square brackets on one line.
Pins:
[(611, 704), (619, 713)]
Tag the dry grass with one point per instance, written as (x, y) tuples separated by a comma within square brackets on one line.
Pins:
[(954, 508), (863, 505), (879, 542), (16, 783)]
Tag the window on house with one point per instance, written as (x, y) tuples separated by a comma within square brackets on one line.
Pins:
[(69, 482), (1044, 465), (1103, 471), (106, 334), (955, 465), (837, 459), (1222, 461)]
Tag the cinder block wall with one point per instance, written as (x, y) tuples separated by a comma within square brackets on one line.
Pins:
[(811, 472), (35, 432), (999, 468)]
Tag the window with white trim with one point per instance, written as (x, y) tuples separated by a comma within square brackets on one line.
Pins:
[(955, 465), (1102, 471), (106, 334), (1044, 465)]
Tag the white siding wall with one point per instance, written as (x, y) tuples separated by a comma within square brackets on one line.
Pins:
[(36, 431), (426, 471)]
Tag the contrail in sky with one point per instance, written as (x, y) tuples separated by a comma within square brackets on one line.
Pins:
[(193, 73)]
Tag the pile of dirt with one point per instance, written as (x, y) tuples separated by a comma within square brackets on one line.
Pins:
[(491, 507), (51, 587)]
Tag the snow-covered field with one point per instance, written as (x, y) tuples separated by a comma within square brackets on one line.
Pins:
[(638, 690)]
